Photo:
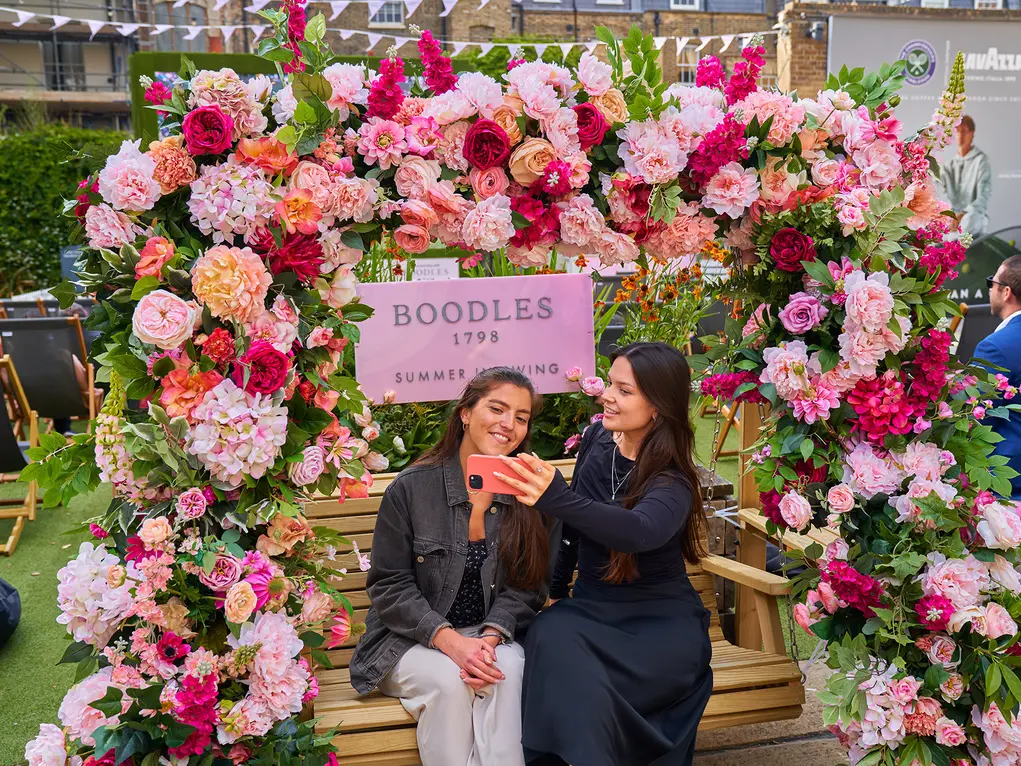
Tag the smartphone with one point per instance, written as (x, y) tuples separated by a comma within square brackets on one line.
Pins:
[(480, 474)]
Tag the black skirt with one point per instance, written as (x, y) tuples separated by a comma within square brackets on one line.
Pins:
[(617, 676)]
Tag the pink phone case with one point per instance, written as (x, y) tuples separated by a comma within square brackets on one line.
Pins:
[(480, 474)]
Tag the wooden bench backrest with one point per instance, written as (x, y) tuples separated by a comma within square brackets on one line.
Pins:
[(356, 519)]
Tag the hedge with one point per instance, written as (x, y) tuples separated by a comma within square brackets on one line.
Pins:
[(38, 169)]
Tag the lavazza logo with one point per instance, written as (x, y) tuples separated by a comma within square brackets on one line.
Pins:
[(920, 60), (992, 61)]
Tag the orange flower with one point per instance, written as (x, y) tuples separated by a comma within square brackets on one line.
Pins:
[(154, 256), (182, 392), (268, 153), (298, 213)]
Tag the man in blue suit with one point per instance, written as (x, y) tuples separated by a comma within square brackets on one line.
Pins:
[(1003, 348)]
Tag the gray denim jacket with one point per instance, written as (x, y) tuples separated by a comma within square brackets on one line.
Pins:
[(419, 549)]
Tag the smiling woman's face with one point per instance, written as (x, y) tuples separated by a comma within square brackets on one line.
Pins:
[(624, 408), (497, 424)]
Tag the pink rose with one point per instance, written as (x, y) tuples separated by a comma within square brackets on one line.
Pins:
[(163, 320), (376, 462), (998, 622), (326, 400), (795, 510), (593, 386), (155, 531), (311, 467), (802, 313), (825, 172), (415, 175), (953, 687), (207, 130), (574, 374), (416, 212), (1000, 526), (803, 616), (240, 602), (226, 571), (191, 504), (950, 733), (413, 239), (316, 608), (827, 597), (320, 336), (489, 182), (840, 498), (942, 651), (905, 690)]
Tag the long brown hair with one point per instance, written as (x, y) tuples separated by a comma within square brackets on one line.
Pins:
[(664, 379), (524, 531)]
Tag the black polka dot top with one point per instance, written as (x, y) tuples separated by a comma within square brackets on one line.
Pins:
[(469, 607)]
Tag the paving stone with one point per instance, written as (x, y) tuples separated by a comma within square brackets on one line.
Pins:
[(816, 751)]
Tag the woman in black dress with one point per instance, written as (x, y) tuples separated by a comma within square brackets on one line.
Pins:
[(618, 674)]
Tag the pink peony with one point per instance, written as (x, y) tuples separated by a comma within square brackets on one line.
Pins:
[(127, 181), (997, 622), (961, 581), (354, 198), (787, 115), (869, 300), (163, 320), (415, 175), (802, 313), (815, 402), (1000, 526), (870, 472), (489, 226), (580, 221), (48, 748), (192, 503), (879, 163), (787, 368), (347, 84), (595, 77), (732, 190), (231, 282), (107, 228)]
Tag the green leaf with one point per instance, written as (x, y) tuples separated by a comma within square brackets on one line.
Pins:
[(305, 85), (304, 113), (315, 29), (110, 704), (1012, 681), (353, 240), (65, 293), (76, 652), (807, 448), (993, 678)]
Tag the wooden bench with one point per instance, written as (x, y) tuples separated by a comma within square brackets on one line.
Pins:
[(749, 685)]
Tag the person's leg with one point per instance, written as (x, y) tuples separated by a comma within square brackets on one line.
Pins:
[(429, 686), (498, 713)]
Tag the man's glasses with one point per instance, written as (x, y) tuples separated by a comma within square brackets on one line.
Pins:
[(990, 281)]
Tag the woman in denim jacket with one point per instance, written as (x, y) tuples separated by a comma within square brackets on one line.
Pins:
[(457, 576)]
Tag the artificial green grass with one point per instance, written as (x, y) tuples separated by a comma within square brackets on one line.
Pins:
[(31, 683)]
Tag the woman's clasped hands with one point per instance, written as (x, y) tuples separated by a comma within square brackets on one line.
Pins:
[(475, 656)]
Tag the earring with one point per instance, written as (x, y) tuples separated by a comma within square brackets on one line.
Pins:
[(464, 425)]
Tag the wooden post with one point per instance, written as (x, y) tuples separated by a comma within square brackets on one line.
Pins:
[(751, 548)]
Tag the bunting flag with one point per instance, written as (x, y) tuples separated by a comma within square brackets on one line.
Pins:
[(59, 21), (337, 7), (660, 42), (220, 4), (704, 43), (373, 40), (411, 6), (257, 30), (227, 32), (193, 32), (448, 6), (591, 46), (726, 40), (458, 47), (682, 42), (566, 48), (540, 48), (23, 17), (482, 5), (400, 42), (160, 29), (127, 30), (486, 48), (180, 3), (374, 6), (94, 27), (256, 6), (346, 34)]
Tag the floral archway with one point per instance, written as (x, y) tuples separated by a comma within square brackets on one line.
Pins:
[(225, 256)]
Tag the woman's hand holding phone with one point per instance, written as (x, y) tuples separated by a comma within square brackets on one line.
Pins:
[(529, 476)]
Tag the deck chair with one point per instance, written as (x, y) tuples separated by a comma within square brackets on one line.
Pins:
[(15, 309), (12, 458), (42, 350), (981, 323), (731, 420)]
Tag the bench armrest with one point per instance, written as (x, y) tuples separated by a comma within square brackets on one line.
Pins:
[(742, 574)]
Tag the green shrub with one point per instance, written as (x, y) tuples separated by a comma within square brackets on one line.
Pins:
[(38, 168)]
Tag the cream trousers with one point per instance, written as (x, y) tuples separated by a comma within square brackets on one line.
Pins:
[(458, 726)]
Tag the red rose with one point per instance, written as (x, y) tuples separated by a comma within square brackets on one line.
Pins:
[(267, 369), (486, 145), (592, 126), (219, 346), (207, 130), (789, 247)]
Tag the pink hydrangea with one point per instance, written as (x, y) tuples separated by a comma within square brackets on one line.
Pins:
[(77, 715), (107, 228), (48, 748), (686, 234), (732, 190), (231, 200), (91, 606), (127, 181), (237, 434), (225, 89)]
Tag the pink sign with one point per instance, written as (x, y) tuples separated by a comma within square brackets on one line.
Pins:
[(426, 340)]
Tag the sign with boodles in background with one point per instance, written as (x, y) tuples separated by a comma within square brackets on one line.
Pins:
[(426, 340)]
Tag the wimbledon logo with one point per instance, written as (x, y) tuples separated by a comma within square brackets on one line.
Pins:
[(921, 62)]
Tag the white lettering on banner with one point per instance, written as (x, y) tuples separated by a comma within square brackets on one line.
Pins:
[(993, 60), (432, 269)]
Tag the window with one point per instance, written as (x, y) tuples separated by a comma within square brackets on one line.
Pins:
[(989, 5), (686, 73), (935, 3), (174, 39), (64, 63), (684, 5), (390, 15)]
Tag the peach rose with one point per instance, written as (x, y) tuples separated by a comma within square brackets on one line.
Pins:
[(611, 105), (155, 531), (316, 608), (314, 179), (419, 213), (154, 256), (240, 602), (840, 498), (415, 175), (998, 622), (298, 212), (506, 116), (175, 167), (175, 618), (163, 320), (414, 239), (283, 533), (232, 282), (530, 159), (489, 182), (115, 576)]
